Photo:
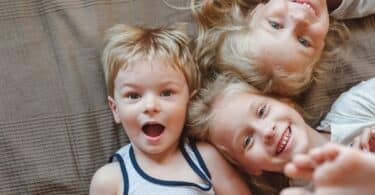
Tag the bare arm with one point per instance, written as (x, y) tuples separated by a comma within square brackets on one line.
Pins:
[(107, 180), (225, 179)]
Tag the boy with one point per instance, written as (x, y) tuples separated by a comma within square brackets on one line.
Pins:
[(150, 77)]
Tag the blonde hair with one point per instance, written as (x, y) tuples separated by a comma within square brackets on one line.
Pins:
[(201, 111), (229, 47), (125, 44), (201, 107)]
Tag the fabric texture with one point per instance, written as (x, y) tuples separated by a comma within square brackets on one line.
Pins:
[(354, 9), (351, 113), (56, 128), (139, 182), (354, 65)]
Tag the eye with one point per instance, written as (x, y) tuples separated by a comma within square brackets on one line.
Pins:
[(247, 141), (261, 111), (275, 25), (304, 42), (166, 93), (132, 95)]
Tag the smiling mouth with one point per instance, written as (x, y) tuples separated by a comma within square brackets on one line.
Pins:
[(153, 130), (283, 142), (306, 4)]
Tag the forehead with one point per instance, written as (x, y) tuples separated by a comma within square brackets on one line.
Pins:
[(149, 69), (155, 62)]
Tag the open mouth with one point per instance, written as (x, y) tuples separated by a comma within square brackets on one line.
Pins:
[(153, 130), (283, 142), (307, 5)]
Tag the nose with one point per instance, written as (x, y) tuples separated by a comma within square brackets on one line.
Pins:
[(299, 18), (269, 135), (151, 104)]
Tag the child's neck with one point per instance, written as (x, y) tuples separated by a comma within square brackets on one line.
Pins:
[(159, 158), (157, 164), (318, 138)]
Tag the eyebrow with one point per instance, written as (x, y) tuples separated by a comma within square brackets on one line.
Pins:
[(130, 85)]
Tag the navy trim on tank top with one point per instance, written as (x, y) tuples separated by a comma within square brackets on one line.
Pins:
[(193, 146), (171, 183), (123, 171), (194, 166)]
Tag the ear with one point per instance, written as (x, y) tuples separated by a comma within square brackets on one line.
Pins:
[(112, 104)]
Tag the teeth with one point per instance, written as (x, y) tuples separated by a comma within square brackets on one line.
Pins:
[(284, 141), (305, 4), (308, 6)]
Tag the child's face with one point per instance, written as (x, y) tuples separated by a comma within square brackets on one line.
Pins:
[(150, 101), (290, 34), (260, 133)]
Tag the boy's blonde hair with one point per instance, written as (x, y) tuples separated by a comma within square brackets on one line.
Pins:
[(125, 44), (228, 47)]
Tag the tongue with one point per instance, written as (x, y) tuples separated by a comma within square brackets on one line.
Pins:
[(153, 130)]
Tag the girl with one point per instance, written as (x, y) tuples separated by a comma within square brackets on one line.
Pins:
[(279, 46), (259, 133)]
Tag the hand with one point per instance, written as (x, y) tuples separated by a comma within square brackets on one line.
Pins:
[(301, 167), (366, 141)]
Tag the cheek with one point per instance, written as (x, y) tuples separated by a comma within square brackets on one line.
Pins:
[(177, 111), (258, 155), (320, 32), (129, 114)]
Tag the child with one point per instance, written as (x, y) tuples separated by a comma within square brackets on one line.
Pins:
[(259, 133), (338, 170), (150, 77), (279, 47)]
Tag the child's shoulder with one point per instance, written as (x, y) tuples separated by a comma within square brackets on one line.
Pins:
[(220, 170), (209, 153), (107, 179)]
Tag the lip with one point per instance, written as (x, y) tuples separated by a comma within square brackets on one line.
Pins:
[(283, 141)]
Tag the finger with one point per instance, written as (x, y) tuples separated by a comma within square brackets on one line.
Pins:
[(356, 143), (365, 139), (372, 140), (325, 153), (304, 162), (373, 132), (291, 170)]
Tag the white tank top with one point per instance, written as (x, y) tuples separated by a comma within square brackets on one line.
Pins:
[(137, 182)]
